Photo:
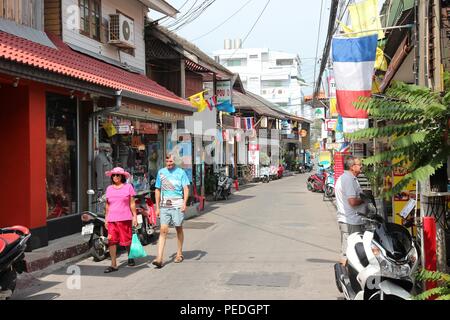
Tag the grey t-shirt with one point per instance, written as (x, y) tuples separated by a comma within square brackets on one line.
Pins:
[(347, 186)]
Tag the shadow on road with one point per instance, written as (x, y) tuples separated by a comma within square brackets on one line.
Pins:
[(232, 199), (36, 286), (321, 261), (192, 255)]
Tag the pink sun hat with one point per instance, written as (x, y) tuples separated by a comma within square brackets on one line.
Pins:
[(118, 170)]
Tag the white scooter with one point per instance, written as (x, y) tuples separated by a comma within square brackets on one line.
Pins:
[(381, 262)]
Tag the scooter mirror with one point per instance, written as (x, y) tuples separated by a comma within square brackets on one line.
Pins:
[(90, 192)]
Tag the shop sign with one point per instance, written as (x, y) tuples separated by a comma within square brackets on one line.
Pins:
[(354, 124), (285, 127), (330, 124), (319, 113), (147, 128), (135, 109), (209, 88), (223, 91), (253, 147), (124, 129), (253, 157), (325, 158)]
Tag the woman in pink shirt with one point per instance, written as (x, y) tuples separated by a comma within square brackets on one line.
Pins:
[(120, 214)]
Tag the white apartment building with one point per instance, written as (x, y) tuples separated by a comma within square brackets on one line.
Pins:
[(274, 75)]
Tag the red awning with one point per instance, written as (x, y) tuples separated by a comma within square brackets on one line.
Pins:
[(68, 62)]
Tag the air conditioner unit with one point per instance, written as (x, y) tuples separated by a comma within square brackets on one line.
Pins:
[(121, 31)]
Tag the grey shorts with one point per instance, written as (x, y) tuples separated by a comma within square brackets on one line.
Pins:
[(171, 216), (346, 230)]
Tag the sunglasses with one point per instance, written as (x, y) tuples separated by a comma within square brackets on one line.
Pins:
[(116, 175)]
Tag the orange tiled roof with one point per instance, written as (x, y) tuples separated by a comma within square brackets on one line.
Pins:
[(68, 62)]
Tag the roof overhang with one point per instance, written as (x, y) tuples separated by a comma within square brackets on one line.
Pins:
[(161, 6)]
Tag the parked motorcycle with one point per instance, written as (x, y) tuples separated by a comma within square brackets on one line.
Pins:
[(223, 189), (264, 174), (280, 171), (316, 182), (381, 261), (94, 229), (308, 167), (13, 242), (146, 216), (328, 188)]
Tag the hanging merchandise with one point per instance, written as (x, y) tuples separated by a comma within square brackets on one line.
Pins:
[(136, 141), (109, 128)]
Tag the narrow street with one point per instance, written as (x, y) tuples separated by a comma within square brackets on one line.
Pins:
[(269, 241)]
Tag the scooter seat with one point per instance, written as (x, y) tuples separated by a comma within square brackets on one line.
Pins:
[(22, 229), (8, 241)]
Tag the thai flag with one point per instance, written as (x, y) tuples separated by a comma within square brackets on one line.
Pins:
[(353, 66), (249, 123), (212, 102)]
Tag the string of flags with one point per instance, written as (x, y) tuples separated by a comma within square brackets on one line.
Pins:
[(198, 100)]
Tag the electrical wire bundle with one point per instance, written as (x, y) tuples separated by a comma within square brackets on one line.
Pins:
[(193, 13)]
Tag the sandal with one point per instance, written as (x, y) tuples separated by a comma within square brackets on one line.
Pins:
[(179, 259), (157, 263), (110, 269)]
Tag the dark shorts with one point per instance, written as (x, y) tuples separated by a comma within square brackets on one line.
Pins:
[(120, 232)]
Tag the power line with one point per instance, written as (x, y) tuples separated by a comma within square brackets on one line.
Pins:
[(179, 10), (260, 15), (318, 36), (194, 14), (205, 34)]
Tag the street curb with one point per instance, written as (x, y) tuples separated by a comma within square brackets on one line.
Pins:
[(37, 264)]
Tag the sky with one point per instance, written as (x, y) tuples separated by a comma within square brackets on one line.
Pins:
[(286, 25)]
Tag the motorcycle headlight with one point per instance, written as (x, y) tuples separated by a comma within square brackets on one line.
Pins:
[(392, 270)]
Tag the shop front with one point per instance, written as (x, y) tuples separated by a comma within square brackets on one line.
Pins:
[(137, 137)]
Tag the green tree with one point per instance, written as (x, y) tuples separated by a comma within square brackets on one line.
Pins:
[(417, 121), (441, 292)]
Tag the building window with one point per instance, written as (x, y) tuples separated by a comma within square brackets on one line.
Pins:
[(253, 56), (273, 83), (62, 156), (285, 62), (90, 18), (236, 62), (265, 57)]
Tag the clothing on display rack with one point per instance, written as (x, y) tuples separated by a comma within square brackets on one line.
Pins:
[(103, 163)]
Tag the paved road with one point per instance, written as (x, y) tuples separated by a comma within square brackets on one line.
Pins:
[(269, 241)]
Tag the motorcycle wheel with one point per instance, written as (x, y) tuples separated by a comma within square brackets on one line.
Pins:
[(309, 186), (329, 191), (8, 280), (98, 250)]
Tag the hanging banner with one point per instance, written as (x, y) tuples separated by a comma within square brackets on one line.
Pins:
[(354, 124), (330, 124), (223, 90), (325, 158), (286, 127), (353, 66)]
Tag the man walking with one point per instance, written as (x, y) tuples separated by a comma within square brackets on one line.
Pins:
[(347, 192), (171, 195)]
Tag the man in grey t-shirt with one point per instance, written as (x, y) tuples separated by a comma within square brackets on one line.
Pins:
[(347, 192)]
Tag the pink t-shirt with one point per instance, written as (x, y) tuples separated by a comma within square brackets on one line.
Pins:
[(119, 202)]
